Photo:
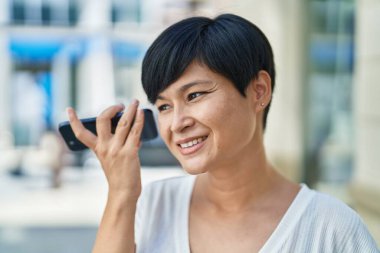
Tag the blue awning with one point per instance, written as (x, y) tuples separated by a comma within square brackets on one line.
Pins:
[(34, 49), (43, 49)]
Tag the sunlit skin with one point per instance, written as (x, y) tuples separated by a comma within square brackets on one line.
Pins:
[(203, 103), (118, 155), (235, 182)]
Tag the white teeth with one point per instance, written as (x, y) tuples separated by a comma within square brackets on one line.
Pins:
[(191, 143)]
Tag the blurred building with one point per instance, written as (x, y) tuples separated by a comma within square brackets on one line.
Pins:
[(68, 52), (80, 53)]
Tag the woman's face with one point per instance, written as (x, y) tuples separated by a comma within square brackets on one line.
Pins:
[(205, 122)]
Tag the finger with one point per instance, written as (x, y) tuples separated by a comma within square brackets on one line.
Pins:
[(103, 121), (133, 140), (81, 133), (125, 123)]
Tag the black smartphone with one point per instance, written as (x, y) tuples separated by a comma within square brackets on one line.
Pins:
[(149, 131)]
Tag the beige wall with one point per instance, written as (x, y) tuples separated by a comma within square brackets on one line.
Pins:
[(366, 186)]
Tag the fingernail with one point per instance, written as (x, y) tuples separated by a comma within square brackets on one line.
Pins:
[(134, 102), (69, 112)]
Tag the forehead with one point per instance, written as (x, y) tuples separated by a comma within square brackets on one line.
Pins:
[(196, 74)]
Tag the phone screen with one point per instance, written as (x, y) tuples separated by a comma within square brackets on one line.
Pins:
[(149, 131)]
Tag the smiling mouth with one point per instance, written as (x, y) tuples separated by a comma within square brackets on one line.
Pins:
[(192, 142)]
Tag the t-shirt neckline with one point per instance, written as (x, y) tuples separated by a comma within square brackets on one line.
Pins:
[(279, 235)]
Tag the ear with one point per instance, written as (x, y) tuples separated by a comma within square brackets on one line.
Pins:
[(261, 90)]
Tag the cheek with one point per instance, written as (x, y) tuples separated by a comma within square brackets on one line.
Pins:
[(163, 129), (233, 124), (222, 115), (219, 118), (216, 112)]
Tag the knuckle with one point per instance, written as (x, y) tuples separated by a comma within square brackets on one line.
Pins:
[(132, 153), (138, 124), (101, 117), (124, 123), (113, 152), (101, 151), (135, 131), (79, 134)]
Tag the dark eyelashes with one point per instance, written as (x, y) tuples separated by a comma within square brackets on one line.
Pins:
[(162, 107), (203, 92), (194, 95), (190, 97)]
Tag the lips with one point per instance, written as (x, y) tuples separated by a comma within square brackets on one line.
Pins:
[(193, 142), (191, 145)]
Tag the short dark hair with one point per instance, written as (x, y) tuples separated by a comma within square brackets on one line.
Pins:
[(229, 45)]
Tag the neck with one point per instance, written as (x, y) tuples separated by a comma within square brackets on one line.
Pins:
[(241, 184)]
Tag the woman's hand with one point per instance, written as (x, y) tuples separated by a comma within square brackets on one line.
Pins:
[(117, 153)]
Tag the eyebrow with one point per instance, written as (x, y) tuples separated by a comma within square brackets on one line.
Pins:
[(188, 86)]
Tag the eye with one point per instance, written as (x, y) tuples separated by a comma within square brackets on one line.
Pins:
[(163, 107), (194, 95)]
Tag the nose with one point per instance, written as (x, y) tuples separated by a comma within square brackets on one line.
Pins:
[(181, 120)]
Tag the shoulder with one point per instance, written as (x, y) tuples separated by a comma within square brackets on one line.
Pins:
[(163, 197), (168, 186), (331, 208), (162, 209), (335, 223), (329, 212), (169, 182), (165, 192)]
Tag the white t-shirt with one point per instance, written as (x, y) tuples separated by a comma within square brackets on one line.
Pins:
[(314, 222)]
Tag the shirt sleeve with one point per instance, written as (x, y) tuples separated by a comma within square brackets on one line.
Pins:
[(358, 239)]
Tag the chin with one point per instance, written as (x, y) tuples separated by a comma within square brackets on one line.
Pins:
[(193, 169)]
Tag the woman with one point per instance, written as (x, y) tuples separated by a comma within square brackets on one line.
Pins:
[(212, 82)]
